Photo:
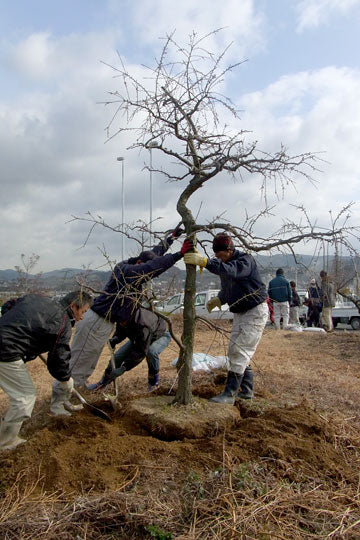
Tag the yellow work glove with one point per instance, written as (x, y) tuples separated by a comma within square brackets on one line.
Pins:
[(213, 303), (195, 258)]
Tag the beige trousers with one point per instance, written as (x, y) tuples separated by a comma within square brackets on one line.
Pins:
[(245, 335), (326, 318)]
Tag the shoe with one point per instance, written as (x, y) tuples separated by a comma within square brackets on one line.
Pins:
[(233, 383), (102, 383), (247, 385), (153, 382)]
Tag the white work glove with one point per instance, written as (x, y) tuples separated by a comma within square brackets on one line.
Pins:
[(196, 259), (213, 303)]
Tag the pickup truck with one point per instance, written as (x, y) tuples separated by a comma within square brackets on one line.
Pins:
[(175, 304), (346, 313)]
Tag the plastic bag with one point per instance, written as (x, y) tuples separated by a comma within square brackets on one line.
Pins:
[(206, 362)]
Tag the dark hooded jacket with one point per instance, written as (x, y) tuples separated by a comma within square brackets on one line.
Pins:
[(34, 325), (241, 284), (142, 329), (123, 290)]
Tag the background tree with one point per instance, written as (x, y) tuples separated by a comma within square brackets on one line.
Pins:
[(26, 281), (177, 110)]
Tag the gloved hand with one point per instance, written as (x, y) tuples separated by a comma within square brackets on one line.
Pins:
[(178, 231), (188, 245), (195, 258), (213, 303)]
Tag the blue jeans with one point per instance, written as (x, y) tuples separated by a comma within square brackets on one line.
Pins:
[(152, 356)]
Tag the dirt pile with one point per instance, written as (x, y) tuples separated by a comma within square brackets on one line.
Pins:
[(288, 467), (82, 453)]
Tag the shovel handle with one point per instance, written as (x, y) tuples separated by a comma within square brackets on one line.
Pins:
[(93, 410)]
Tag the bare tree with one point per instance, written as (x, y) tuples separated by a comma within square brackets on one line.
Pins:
[(177, 110), (26, 281)]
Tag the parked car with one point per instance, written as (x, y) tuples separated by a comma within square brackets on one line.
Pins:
[(175, 304), (346, 313), (171, 305)]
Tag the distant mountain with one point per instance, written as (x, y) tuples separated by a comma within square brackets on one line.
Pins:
[(8, 275), (66, 279)]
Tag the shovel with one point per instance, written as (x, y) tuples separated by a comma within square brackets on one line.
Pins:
[(93, 410), (113, 399), (90, 408)]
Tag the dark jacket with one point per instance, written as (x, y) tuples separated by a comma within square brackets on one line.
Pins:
[(314, 294), (241, 284), (142, 329), (34, 325), (123, 290), (279, 290), (295, 302)]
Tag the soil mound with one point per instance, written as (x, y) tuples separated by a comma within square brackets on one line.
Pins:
[(175, 422), (83, 453)]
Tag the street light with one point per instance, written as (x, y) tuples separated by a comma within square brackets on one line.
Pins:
[(150, 146), (122, 205)]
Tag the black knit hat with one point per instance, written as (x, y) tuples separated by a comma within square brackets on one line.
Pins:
[(223, 242)]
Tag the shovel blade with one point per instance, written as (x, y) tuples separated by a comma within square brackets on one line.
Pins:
[(91, 408), (97, 412)]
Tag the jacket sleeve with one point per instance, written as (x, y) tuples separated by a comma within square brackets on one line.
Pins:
[(150, 269), (234, 269), (59, 356), (163, 246), (289, 293), (119, 335)]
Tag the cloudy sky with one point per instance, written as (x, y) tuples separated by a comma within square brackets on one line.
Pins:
[(300, 85)]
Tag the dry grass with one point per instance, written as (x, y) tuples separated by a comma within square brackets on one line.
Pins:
[(234, 501), (260, 497)]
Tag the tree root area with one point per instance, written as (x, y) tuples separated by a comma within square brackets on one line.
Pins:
[(83, 453), (285, 465)]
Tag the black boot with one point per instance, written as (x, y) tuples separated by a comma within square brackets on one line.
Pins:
[(232, 386), (247, 384)]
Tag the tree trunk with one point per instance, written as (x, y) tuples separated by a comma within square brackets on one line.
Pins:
[(184, 394), (184, 365)]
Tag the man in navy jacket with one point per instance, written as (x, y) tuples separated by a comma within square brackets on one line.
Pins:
[(244, 291), (281, 296)]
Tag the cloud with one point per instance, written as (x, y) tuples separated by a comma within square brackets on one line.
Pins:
[(313, 13), (243, 23), (314, 111), (55, 163)]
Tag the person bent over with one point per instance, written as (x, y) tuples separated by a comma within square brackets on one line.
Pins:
[(34, 325), (116, 304), (147, 337), (245, 293)]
